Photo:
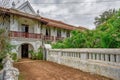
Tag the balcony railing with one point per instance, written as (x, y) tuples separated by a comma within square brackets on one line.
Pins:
[(59, 38), (51, 38), (16, 34), (24, 35)]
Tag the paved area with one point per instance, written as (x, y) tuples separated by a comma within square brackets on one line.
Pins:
[(43, 70)]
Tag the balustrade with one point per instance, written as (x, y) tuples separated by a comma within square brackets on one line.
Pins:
[(100, 56), (24, 35), (104, 62)]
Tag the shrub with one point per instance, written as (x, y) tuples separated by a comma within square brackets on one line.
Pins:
[(40, 54), (36, 55), (13, 56), (33, 54)]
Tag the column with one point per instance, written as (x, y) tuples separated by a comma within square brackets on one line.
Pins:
[(118, 58), (59, 57), (83, 56), (106, 57), (90, 56), (112, 59), (98, 56), (102, 57), (94, 55)]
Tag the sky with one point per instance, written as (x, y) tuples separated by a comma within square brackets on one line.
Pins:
[(74, 12)]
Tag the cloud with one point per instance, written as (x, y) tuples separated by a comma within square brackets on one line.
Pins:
[(75, 12)]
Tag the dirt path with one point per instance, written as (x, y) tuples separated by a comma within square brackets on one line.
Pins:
[(42, 70)]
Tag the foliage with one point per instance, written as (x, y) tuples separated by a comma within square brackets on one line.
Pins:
[(5, 46), (36, 55), (33, 54), (111, 32), (106, 35), (13, 56), (40, 54), (104, 16)]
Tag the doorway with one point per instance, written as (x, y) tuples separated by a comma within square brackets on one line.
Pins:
[(25, 30), (24, 50)]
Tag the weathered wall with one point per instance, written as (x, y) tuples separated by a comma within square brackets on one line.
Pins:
[(19, 41), (4, 21), (8, 72), (63, 33), (105, 62), (16, 24)]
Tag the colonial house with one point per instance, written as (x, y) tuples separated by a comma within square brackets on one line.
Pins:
[(28, 30)]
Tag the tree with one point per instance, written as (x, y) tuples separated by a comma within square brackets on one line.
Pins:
[(104, 17), (2, 40), (110, 31), (5, 46), (106, 35)]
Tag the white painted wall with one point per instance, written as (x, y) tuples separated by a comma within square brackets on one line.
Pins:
[(43, 30), (13, 23), (63, 33), (34, 27), (26, 9), (6, 24), (19, 42), (16, 24), (53, 32), (37, 28)]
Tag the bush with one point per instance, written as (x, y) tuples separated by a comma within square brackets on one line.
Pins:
[(33, 54), (40, 54), (36, 55), (13, 56), (5, 46)]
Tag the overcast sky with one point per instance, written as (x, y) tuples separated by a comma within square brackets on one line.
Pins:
[(75, 12)]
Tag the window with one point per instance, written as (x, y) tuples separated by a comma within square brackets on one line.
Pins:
[(68, 34), (58, 33), (25, 28), (48, 32)]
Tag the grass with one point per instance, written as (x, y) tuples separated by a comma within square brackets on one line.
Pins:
[(21, 77)]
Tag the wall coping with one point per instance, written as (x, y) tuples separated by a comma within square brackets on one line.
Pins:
[(91, 50)]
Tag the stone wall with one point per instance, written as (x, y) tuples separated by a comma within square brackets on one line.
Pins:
[(105, 62), (8, 72)]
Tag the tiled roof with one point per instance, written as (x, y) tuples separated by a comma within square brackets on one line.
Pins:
[(49, 22)]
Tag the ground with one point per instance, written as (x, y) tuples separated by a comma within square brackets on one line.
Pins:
[(44, 70)]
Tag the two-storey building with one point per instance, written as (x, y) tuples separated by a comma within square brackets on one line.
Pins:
[(28, 30)]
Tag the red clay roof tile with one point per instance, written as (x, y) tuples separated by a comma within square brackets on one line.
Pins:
[(50, 22)]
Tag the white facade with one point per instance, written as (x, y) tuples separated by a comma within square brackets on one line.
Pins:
[(29, 32)]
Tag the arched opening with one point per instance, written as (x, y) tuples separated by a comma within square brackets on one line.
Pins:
[(24, 50)]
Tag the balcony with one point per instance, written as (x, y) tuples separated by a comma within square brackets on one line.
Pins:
[(51, 38), (59, 38), (24, 35), (16, 34)]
